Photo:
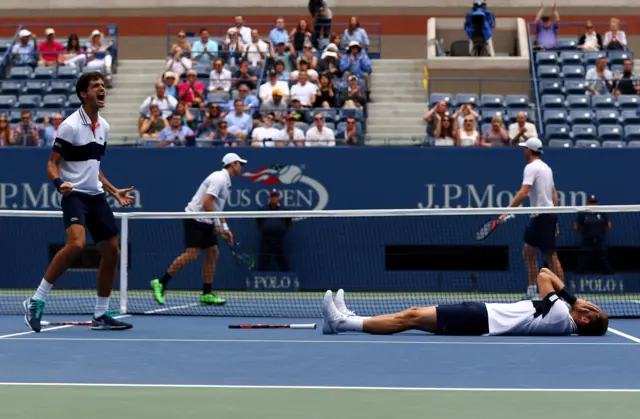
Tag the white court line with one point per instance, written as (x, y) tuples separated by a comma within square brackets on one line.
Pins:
[(624, 335), (48, 329), (163, 310), (258, 387), (285, 341)]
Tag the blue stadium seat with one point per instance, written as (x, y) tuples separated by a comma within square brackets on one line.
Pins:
[(218, 98), (590, 57), (11, 87), (356, 113), (581, 117), (608, 116), (633, 144), (53, 101), (330, 115), (29, 101), (331, 126), (557, 132), (485, 128), (15, 116), (550, 87), (35, 87), (20, 73), (552, 101), (492, 101), (487, 114), (302, 126), (578, 102), (437, 97), (587, 144), (60, 86), (566, 44), (560, 143), (573, 72), (617, 57), (546, 58), (630, 117), (610, 132), (39, 114), (618, 68), (571, 57), (613, 144), (628, 101), (589, 68), (554, 116), (574, 87), (603, 101), (68, 73), (203, 70), (74, 102), (584, 132), (45, 73), (548, 71), (517, 101), (632, 133), (7, 101), (5, 44)]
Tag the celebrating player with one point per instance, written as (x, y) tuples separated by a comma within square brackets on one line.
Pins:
[(550, 316), (540, 235), (74, 168), (200, 233)]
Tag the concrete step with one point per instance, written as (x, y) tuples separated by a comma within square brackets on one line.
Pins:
[(394, 140), (398, 65), (408, 120), (395, 129), (391, 112), (398, 97)]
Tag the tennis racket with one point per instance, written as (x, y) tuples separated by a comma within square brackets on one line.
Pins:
[(272, 326), (243, 255), (490, 225), (47, 323)]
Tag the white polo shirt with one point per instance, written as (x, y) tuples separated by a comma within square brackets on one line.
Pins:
[(539, 176), (264, 136), (326, 138), (217, 184), (81, 146), (304, 92)]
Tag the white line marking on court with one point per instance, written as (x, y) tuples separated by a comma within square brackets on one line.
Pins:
[(258, 387), (624, 335), (163, 310), (375, 342), (48, 329)]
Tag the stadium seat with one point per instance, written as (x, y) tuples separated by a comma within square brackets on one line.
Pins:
[(548, 71), (628, 101), (550, 87), (437, 97), (330, 115), (53, 101), (74, 102), (581, 117), (302, 126), (492, 101), (560, 143), (485, 128), (5, 44), (578, 102), (557, 132), (630, 117), (487, 114), (29, 101), (331, 126), (552, 101), (590, 57), (218, 98), (613, 144), (546, 58), (20, 73), (39, 115), (587, 144), (517, 101), (68, 73), (45, 73), (633, 144), (573, 72), (60, 86), (603, 101), (608, 116), (584, 132), (7, 101), (356, 113), (10, 87), (15, 116), (202, 70), (632, 133), (610, 132), (571, 57), (617, 57), (554, 116), (589, 68), (35, 87), (574, 87), (566, 44)]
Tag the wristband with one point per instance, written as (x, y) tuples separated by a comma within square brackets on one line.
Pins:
[(225, 227), (565, 295), (58, 182), (216, 222)]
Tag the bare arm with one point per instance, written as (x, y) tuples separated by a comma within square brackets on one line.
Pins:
[(53, 166), (107, 185), (554, 196), (520, 196)]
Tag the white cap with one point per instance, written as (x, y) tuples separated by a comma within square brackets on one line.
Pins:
[(232, 158), (96, 32), (533, 144), (329, 54), (354, 44), (49, 31), (24, 33)]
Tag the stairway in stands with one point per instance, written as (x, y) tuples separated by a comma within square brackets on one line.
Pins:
[(399, 103), (134, 82)]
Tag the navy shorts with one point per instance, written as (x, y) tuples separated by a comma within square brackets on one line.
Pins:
[(466, 319), (200, 235), (541, 233), (92, 212)]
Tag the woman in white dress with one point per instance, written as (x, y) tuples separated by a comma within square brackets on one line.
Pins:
[(98, 54), (468, 135)]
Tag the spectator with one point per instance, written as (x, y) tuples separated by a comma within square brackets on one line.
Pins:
[(250, 102), (239, 122), (322, 18), (244, 76), (351, 135), (279, 33), (6, 133), (276, 105), (188, 120), (166, 104), (152, 126), (325, 97), (299, 36), (308, 55), (272, 232), (615, 39), (175, 134), (98, 54), (299, 113), (353, 97), (546, 30), (219, 78), (446, 133), (51, 51), (225, 138), (182, 43), (433, 117), (178, 64), (24, 52), (303, 90), (191, 91), (478, 25), (497, 136), (355, 33), (209, 125), (336, 41), (521, 130), (593, 227), (329, 62), (468, 135), (290, 135), (266, 90), (283, 53), (50, 128), (257, 51), (464, 111), (303, 65), (26, 132), (204, 50), (628, 83), (599, 80), (281, 74), (239, 28), (74, 56), (170, 84), (356, 63), (266, 135), (319, 135), (234, 48), (591, 40)]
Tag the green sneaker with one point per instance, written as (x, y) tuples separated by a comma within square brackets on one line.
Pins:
[(158, 291), (211, 299)]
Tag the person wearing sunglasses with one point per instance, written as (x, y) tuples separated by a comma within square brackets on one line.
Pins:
[(591, 40), (319, 135), (6, 133)]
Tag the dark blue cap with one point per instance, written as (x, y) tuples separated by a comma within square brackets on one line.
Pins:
[(592, 198)]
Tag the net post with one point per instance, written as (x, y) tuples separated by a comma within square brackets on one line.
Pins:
[(124, 261)]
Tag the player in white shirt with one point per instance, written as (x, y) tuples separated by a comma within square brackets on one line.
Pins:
[(540, 235), (557, 314), (265, 135), (200, 233)]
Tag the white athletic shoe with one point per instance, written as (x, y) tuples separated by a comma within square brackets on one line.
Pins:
[(341, 305), (332, 316), (532, 292)]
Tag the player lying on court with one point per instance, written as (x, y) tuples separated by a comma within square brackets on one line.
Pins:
[(550, 316)]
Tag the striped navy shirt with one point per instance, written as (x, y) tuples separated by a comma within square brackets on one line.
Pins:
[(82, 146)]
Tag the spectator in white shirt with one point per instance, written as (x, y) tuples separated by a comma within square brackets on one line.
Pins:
[(178, 64), (166, 104), (615, 38), (243, 31), (257, 50), (266, 90), (290, 135), (591, 40), (267, 134), (319, 135), (521, 130), (219, 78), (303, 65), (304, 90)]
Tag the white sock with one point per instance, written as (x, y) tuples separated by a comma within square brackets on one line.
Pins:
[(43, 290), (102, 305), (351, 324), (532, 289)]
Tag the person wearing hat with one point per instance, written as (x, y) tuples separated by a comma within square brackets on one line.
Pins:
[(290, 135), (276, 105), (266, 90), (329, 62), (170, 83), (51, 51), (547, 30), (200, 234), (593, 227), (98, 54), (272, 234), (356, 63), (540, 235), (24, 52)]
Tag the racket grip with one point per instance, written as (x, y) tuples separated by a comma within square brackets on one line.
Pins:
[(303, 326)]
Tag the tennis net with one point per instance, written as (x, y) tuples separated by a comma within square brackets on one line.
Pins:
[(387, 260)]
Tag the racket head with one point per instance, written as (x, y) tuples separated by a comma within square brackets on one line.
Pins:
[(243, 256), (487, 228)]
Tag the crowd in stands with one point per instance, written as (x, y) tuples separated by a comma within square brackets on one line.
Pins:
[(293, 88)]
